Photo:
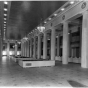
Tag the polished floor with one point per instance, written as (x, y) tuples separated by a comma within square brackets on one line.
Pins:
[(71, 75)]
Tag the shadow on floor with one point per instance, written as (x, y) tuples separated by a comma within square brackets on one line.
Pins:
[(76, 84)]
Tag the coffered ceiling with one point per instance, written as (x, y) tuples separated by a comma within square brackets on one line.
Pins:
[(24, 16)]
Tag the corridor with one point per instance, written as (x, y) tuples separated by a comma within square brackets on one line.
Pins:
[(71, 75)]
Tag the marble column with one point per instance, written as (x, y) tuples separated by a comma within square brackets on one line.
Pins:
[(53, 44), (8, 47), (24, 49), (45, 46), (39, 46), (65, 43), (80, 41), (15, 49), (0, 47), (30, 47), (27, 48), (21, 48), (34, 48), (84, 51), (69, 43), (58, 45)]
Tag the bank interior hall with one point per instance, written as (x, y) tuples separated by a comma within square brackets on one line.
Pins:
[(44, 43)]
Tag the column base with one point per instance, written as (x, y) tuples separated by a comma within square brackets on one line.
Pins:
[(84, 66), (58, 58), (64, 62)]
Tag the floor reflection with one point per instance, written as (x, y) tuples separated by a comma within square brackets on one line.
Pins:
[(71, 75), (4, 59)]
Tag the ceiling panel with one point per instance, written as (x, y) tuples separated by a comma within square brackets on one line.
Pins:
[(26, 15)]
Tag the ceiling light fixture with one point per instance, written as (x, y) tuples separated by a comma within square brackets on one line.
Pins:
[(4, 18), (49, 18), (5, 9), (4, 27), (4, 24), (72, 2), (5, 2), (4, 21), (5, 14), (55, 14), (62, 9), (45, 22)]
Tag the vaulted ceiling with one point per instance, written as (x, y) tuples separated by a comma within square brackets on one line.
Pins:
[(24, 16)]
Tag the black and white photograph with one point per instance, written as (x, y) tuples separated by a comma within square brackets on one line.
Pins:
[(44, 43)]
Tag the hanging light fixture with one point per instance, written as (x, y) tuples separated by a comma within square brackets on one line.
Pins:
[(26, 38), (41, 28), (5, 2)]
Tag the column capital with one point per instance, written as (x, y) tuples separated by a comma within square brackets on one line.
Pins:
[(39, 34), (45, 32), (86, 11), (53, 28), (65, 22)]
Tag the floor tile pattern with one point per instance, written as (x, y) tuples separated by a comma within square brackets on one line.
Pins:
[(11, 74)]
